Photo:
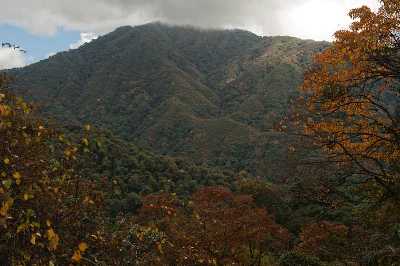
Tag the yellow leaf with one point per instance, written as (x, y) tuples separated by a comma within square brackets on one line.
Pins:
[(7, 183), (53, 239), (87, 127), (17, 175), (6, 206), (33, 239), (77, 256), (22, 228), (4, 110), (87, 200), (6, 161), (48, 223), (50, 234), (67, 153), (83, 246), (85, 141), (26, 196)]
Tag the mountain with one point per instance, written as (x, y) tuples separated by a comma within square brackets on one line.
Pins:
[(211, 96)]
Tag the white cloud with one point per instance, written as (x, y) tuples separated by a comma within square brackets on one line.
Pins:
[(10, 58), (50, 54), (86, 37), (322, 18), (316, 19)]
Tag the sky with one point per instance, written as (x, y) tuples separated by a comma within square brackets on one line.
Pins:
[(45, 27)]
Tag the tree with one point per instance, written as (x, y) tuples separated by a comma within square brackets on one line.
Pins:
[(326, 240), (47, 211), (350, 110), (294, 258), (216, 227), (353, 101)]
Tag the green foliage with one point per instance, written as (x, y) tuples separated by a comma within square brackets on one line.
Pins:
[(294, 258), (128, 172), (385, 256), (208, 96)]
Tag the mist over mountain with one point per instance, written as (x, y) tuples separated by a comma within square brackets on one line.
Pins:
[(211, 96)]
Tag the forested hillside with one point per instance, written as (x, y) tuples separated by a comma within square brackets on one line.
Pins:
[(174, 146), (207, 95)]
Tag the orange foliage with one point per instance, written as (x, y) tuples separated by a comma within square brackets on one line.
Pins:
[(352, 98), (216, 227), (326, 240)]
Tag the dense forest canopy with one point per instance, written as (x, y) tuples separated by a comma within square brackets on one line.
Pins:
[(74, 193), (208, 96)]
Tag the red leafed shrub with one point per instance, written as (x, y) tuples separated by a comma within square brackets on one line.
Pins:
[(325, 240), (216, 227)]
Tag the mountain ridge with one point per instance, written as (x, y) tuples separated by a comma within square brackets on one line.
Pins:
[(208, 95)]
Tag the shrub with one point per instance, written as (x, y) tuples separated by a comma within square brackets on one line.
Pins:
[(295, 258)]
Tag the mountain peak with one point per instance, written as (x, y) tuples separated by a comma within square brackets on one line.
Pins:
[(207, 95)]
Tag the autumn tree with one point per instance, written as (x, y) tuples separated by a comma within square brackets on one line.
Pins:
[(349, 109), (47, 211), (352, 99), (326, 240), (216, 227)]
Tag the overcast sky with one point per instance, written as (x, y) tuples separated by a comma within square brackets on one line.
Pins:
[(33, 22)]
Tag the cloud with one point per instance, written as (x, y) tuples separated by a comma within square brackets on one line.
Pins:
[(10, 58), (269, 17), (51, 54), (322, 18), (85, 38)]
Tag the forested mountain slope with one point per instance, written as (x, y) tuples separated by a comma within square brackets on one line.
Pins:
[(212, 96)]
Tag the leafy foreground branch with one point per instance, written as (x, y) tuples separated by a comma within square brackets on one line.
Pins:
[(48, 212)]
